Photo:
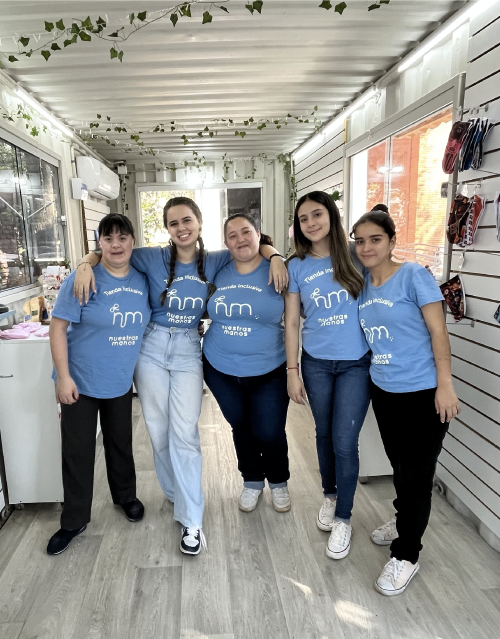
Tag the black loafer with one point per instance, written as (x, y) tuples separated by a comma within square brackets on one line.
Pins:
[(134, 510), (62, 539)]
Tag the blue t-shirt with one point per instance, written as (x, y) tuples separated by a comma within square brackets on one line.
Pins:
[(187, 295), (105, 334), (246, 336), (395, 329), (331, 329)]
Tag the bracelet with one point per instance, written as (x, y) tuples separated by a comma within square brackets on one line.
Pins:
[(292, 368), (275, 255)]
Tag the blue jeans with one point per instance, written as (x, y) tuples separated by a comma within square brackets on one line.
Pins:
[(169, 381), (339, 394), (256, 409)]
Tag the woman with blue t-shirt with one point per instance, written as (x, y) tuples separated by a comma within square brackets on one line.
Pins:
[(169, 374), (335, 360), (401, 314), (95, 348), (244, 364)]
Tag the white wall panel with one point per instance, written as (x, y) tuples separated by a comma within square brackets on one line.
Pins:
[(322, 170), (486, 450), (474, 353), (485, 404), (488, 382)]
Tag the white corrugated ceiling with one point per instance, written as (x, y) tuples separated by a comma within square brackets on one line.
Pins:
[(293, 56)]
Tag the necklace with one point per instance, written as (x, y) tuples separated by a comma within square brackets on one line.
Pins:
[(317, 254)]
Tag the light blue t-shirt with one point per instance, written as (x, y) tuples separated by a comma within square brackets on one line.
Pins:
[(390, 315), (105, 334), (187, 295), (331, 329), (246, 336)]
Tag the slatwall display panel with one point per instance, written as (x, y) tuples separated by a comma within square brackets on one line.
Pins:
[(322, 170), (470, 461), (93, 212)]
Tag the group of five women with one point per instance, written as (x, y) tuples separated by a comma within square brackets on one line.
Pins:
[(372, 328)]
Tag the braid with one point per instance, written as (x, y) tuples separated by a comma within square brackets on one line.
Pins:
[(201, 271), (171, 276)]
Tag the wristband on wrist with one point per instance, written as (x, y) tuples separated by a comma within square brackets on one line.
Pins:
[(275, 255), (292, 368)]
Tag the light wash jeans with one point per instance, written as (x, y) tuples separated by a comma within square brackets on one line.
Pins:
[(169, 380)]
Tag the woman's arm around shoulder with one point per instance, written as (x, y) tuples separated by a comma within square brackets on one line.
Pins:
[(446, 400)]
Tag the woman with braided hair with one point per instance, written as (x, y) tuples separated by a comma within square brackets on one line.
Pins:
[(169, 373)]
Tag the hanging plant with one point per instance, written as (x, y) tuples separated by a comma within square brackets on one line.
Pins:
[(336, 196), (87, 30)]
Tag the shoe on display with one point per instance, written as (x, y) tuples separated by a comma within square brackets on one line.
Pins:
[(134, 510), (249, 498), (281, 499), (192, 540), (326, 514), (62, 539), (395, 577), (339, 543), (384, 535)]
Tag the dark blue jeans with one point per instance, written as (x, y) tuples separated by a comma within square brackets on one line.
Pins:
[(339, 394), (256, 409)]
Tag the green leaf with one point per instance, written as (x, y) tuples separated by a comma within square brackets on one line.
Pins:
[(211, 134), (113, 35), (174, 18), (12, 58), (384, 1), (49, 26), (278, 126), (66, 43), (60, 25), (24, 41), (186, 10), (108, 118), (373, 6), (55, 47), (262, 126), (200, 134), (99, 116), (257, 5), (46, 54), (242, 134), (87, 23), (246, 122), (75, 28), (206, 129), (340, 8), (184, 137), (86, 37), (113, 52), (120, 56), (315, 108), (131, 17), (224, 9), (74, 39), (250, 119), (207, 17), (326, 4), (250, 8), (101, 21), (142, 15), (34, 132)]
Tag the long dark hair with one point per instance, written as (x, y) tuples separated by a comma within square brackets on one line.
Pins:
[(186, 201), (380, 218), (344, 270), (264, 239)]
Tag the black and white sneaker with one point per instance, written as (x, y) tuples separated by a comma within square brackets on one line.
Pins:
[(192, 540)]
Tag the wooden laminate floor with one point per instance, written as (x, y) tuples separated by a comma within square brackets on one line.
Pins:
[(265, 575)]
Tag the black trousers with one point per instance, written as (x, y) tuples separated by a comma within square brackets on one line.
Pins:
[(256, 408), (78, 433), (412, 434)]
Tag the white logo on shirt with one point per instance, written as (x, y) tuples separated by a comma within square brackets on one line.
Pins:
[(115, 309), (219, 302), (370, 332), (181, 305), (316, 296)]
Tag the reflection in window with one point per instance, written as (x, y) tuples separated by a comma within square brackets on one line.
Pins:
[(31, 232)]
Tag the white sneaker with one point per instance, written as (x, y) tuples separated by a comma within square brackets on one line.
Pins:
[(249, 498), (192, 541), (326, 514), (395, 577), (281, 499), (384, 535), (339, 543)]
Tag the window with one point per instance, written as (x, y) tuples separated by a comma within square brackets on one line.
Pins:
[(404, 172), (31, 231)]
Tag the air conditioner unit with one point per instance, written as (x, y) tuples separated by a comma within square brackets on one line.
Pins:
[(101, 182)]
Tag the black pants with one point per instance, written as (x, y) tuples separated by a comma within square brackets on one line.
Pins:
[(78, 432), (412, 434), (256, 409)]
